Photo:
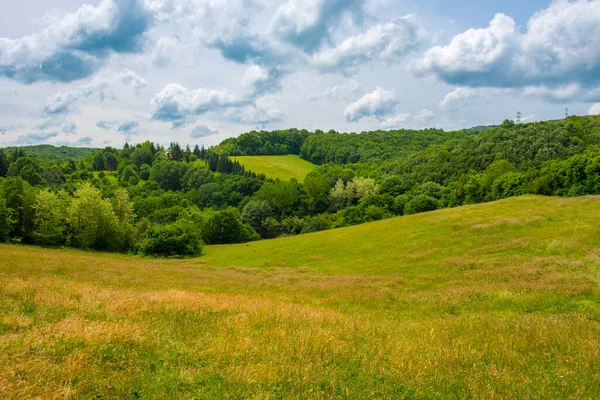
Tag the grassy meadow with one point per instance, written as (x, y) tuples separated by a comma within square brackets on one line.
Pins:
[(492, 301), (282, 167)]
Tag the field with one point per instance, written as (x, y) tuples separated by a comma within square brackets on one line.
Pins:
[(492, 301), (282, 167)]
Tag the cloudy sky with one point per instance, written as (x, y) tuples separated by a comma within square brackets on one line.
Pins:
[(102, 72)]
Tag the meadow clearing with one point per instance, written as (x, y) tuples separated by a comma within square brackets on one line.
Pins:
[(277, 167), (491, 301)]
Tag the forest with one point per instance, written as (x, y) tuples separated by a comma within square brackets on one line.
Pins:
[(169, 202)]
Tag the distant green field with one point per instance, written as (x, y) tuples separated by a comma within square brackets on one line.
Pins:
[(282, 167), (492, 301)]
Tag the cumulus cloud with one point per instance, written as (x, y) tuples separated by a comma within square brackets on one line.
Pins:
[(9, 128), (416, 120), (383, 43), (303, 33), (163, 52), (557, 52), (132, 80), (259, 80), (127, 126), (378, 103), (346, 91), (306, 23), (35, 138), (594, 110), (262, 112), (69, 128), (63, 102), (104, 125), (202, 131), (462, 96), (176, 103), (77, 45), (50, 123), (84, 141)]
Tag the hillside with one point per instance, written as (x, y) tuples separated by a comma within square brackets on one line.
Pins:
[(497, 300), (47, 152), (277, 167)]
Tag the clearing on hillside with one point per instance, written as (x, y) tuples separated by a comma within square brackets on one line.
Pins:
[(493, 301), (282, 167)]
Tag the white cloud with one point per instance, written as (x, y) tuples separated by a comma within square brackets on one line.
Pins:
[(416, 120), (163, 52), (70, 127), (557, 52), (377, 104), (259, 80), (262, 112), (202, 131), (383, 43), (99, 87), (77, 45), (177, 103), (594, 110), (346, 91), (306, 23)]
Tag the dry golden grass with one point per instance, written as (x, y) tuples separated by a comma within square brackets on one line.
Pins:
[(492, 301)]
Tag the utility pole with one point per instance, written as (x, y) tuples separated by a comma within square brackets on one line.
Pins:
[(519, 115), (566, 113)]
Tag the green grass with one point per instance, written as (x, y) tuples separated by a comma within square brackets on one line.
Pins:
[(282, 167), (492, 301)]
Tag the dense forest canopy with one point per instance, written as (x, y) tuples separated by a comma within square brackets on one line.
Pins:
[(153, 200), (47, 152)]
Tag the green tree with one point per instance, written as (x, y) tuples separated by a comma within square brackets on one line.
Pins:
[(122, 206), (316, 185), (7, 220), (92, 222), (255, 213), (49, 218), (394, 186), (141, 156), (282, 195), (4, 163), (99, 161), (170, 240), (420, 203), (226, 226)]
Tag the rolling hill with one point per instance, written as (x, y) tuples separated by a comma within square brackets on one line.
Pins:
[(47, 152), (496, 300), (282, 167)]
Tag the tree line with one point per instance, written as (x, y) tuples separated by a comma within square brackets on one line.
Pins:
[(152, 200)]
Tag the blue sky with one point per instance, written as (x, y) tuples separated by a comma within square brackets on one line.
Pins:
[(103, 72)]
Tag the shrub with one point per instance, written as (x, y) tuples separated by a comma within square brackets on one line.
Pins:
[(170, 240), (421, 203), (400, 203), (374, 213)]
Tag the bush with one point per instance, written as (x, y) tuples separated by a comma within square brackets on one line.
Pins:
[(172, 240), (400, 203), (374, 213), (321, 222), (421, 203)]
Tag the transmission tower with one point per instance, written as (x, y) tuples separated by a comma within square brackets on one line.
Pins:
[(566, 113), (519, 115)]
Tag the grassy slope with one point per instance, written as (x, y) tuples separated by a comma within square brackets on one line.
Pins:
[(497, 300), (282, 167)]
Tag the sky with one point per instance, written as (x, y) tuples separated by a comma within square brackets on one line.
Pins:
[(99, 73)]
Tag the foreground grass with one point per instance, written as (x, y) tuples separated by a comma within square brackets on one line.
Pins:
[(282, 167), (497, 300)]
